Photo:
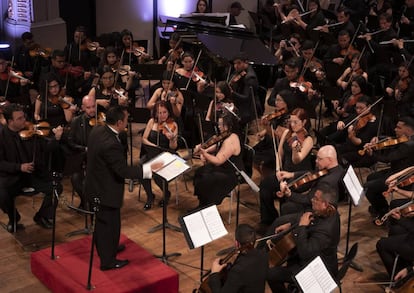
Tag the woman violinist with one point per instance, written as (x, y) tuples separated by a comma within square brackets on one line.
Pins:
[(294, 154), (173, 56), (169, 93), (223, 100), (107, 93), (133, 54), (188, 76), (160, 134), (214, 180), (342, 110), (401, 91), (358, 134), (52, 105), (356, 69)]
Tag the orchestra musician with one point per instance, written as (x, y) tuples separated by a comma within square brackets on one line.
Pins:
[(223, 100), (173, 56), (400, 238), (288, 48), (316, 232), (133, 54), (169, 93), (12, 89), (330, 33), (399, 156), (406, 22), (161, 134), (244, 84), (105, 173), (23, 163), (359, 133), (326, 159), (357, 68), (214, 180), (294, 150), (202, 7), (248, 271), (80, 129)]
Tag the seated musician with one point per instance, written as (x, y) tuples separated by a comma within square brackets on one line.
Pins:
[(338, 53), (331, 32), (360, 132), (328, 171), (249, 270), (80, 128), (400, 238), (169, 93), (399, 155), (14, 90), (264, 156), (357, 68), (108, 93), (343, 109), (133, 54), (316, 232), (401, 92), (217, 178), (175, 52), (110, 58), (202, 7), (22, 165), (160, 135), (293, 155), (184, 73), (288, 48), (223, 100)]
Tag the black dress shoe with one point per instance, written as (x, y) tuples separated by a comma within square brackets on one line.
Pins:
[(117, 264), (41, 221), (120, 248)]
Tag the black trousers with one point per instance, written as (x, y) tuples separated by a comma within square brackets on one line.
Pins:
[(375, 186), (107, 234)]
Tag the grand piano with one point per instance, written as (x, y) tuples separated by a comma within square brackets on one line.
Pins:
[(221, 40)]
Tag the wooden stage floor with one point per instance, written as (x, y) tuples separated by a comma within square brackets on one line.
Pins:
[(15, 274)]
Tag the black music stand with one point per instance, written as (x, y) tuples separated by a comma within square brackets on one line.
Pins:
[(355, 191), (56, 178), (173, 166), (201, 227)]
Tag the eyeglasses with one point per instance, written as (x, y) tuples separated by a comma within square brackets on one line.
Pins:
[(321, 158)]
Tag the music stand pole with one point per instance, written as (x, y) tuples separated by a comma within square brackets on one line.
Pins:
[(353, 265), (95, 209), (55, 183), (164, 257)]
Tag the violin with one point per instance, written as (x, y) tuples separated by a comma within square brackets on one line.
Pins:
[(385, 143), (64, 101), (351, 101), (406, 210), (275, 114), (349, 52), (301, 85), (238, 76), (74, 71), (98, 120), (17, 76), (405, 181), (300, 137), (306, 178), (167, 127), (214, 139), (363, 121), (42, 52), (30, 130)]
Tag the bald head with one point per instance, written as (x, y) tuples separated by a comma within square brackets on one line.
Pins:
[(88, 106), (327, 157)]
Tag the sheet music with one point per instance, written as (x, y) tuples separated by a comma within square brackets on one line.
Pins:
[(204, 226), (353, 185), (172, 166), (315, 278)]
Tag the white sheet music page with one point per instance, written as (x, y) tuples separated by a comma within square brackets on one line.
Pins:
[(353, 185), (214, 223), (173, 168), (315, 278)]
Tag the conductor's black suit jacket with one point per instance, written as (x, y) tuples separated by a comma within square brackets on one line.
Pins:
[(107, 167)]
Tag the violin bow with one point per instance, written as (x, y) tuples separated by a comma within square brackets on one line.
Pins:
[(8, 80), (215, 103), (275, 147), (254, 109), (46, 95), (192, 71), (359, 59), (363, 112), (305, 66), (380, 120)]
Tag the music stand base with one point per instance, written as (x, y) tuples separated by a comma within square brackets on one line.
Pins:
[(164, 258), (167, 226), (84, 231)]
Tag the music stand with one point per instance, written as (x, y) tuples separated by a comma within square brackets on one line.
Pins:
[(355, 191), (201, 227), (173, 166), (56, 178)]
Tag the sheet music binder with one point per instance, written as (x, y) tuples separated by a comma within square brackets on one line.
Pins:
[(352, 184), (172, 167), (202, 226)]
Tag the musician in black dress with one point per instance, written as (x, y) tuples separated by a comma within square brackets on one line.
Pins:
[(214, 180), (160, 135)]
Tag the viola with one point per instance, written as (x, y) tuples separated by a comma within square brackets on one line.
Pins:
[(275, 114), (279, 249), (238, 76), (406, 210), (30, 130), (98, 120), (385, 143)]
